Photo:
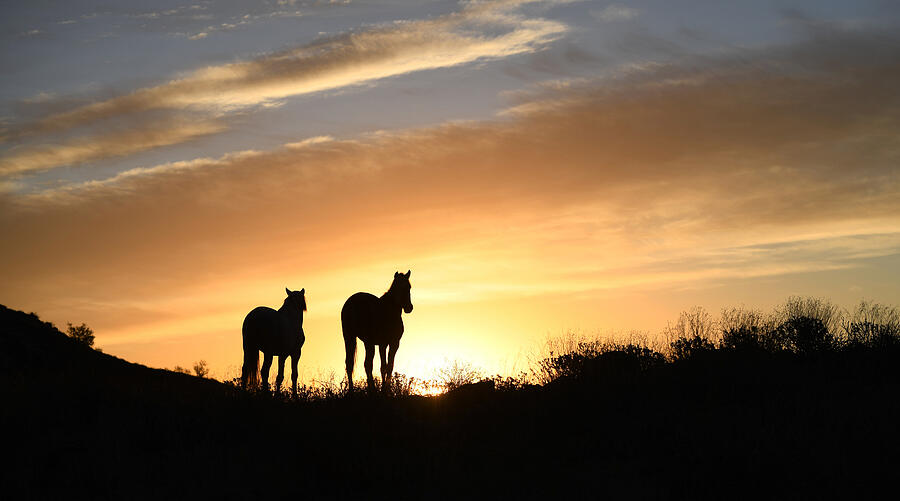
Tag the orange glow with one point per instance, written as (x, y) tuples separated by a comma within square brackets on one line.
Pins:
[(431, 391), (590, 206)]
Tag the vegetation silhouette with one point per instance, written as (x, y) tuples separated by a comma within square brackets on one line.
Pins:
[(275, 333), (377, 322), (202, 370), (81, 333), (593, 418)]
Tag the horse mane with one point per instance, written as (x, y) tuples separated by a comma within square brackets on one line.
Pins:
[(284, 305), (391, 288)]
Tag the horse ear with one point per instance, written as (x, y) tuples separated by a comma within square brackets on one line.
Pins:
[(287, 290), (303, 290), (396, 274), (408, 272)]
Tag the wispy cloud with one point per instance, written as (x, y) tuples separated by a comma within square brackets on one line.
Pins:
[(112, 144), (479, 31)]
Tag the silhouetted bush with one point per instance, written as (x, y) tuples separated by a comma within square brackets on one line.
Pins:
[(566, 366), (600, 361), (683, 349), (873, 326), (403, 385), (805, 325), (821, 309), (457, 373), (800, 325), (743, 329), (691, 335), (645, 357), (81, 333), (745, 338), (511, 383), (804, 335), (693, 323), (201, 369)]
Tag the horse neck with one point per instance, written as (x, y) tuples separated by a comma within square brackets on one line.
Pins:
[(292, 313), (388, 300)]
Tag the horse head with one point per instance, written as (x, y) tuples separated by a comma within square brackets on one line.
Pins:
[(401, 288), (297, 298)]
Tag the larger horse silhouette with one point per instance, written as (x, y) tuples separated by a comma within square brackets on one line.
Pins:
[(274, 333), (376, 321)]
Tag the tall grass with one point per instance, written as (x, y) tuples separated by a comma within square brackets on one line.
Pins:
[(803, 327), (800, 326)]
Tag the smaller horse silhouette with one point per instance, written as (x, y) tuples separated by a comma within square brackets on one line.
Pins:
[(274, 333), (376, 321)]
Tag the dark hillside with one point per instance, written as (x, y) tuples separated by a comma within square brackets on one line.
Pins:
[(723, 424), (36, 356)]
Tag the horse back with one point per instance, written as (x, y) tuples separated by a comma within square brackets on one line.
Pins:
[(364, 316), (261, 329)]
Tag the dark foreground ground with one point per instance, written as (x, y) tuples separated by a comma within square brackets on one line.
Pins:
[(79, 423)]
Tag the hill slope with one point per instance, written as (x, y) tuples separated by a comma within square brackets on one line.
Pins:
[(36, 356), (81, 422)]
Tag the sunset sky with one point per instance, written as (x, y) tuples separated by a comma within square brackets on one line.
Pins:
[(539, 166)]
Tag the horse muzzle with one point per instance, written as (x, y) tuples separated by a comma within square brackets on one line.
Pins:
[(408, 308)]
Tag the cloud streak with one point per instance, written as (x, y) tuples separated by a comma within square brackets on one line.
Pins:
[(478, 32), (114, 144)]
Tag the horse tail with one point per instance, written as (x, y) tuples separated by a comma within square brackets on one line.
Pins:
[(250, 369)]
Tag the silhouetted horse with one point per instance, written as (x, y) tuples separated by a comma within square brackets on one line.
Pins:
[(376, 321), (274, 333)]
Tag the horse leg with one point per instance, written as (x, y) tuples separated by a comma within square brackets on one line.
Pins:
[(370, 356), (294, 360), (264, 370), (280, 377), (384, 377), (392, 351)]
